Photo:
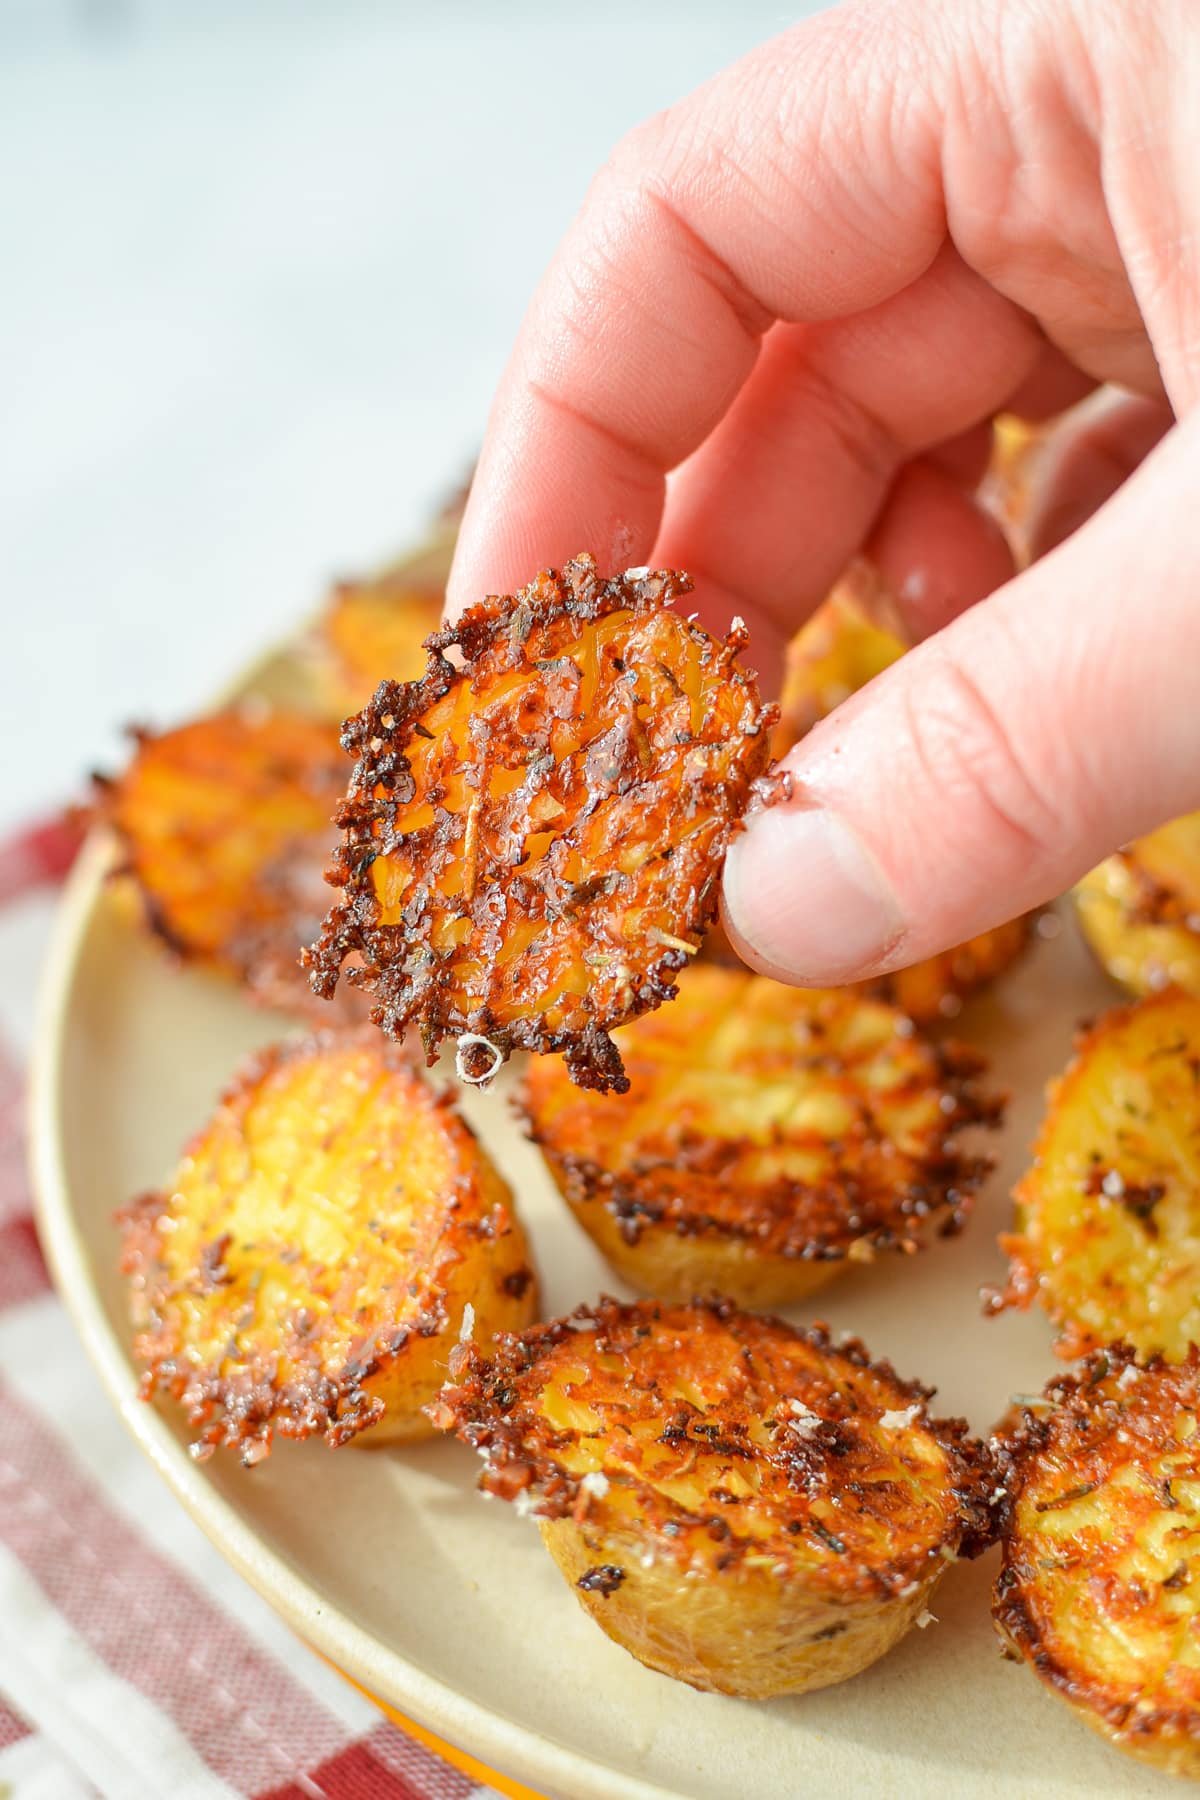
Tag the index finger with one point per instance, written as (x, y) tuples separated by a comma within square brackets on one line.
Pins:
[(783, 190)]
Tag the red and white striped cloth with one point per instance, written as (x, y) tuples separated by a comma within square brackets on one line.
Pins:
[(133, 1662)]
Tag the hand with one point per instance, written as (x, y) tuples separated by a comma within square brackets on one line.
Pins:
[(777, 333)]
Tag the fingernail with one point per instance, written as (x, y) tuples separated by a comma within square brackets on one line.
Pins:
[(808, 899)]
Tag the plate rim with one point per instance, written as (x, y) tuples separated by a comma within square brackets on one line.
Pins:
[(318, 1622)]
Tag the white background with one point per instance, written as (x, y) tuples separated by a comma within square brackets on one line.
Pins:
[(260, 264)]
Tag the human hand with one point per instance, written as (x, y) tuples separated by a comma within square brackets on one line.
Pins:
[(802, 294)]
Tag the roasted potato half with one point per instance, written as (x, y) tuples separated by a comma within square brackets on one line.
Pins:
[(225, 826), (737, 1503), (769, 1135), (1108, 1216), (853, 636), (1099, 1588), (933, 991), (849, 640), (372, 631), (1140, 910), (534, 838), (325, 1240)]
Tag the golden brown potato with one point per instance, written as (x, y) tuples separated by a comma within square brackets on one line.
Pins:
[(534, 839), (852, 637), (1099, 1590), (225, 826), (849, 640), (769, 1135), (372, 631), (738, 1503), (934, 990), (1140, 910), (1108, 1218), (323, 1243)]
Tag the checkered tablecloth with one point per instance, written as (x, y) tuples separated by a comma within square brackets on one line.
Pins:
[(133, 1662)]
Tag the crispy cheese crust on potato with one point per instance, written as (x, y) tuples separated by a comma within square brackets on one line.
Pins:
[(224, 826), (736, 1502), (312, 1260), (769, 1134), (534, 839), (849, 640), (373, 631), (1099, 1590), (1140, 910), (1108, 1216)]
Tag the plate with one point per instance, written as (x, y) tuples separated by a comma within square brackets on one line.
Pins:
[(446, 1608)]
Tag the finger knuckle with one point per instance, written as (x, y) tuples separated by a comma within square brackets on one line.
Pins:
[(972, 754)]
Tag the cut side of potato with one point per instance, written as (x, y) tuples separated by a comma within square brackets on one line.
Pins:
[(534, 836), (225, 827), (1099, 1590), (322, 1244), (850, 639), (1140, 910), (373, 631), (738, 1503), (769, 1135), (1108, 1217)]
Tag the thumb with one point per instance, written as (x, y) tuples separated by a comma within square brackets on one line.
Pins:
[(999, 760)]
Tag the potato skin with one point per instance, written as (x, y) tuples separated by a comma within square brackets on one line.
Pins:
[(1139, 910), (1107, 1236), (748, 1635), (309, 1266), (769, 1136), (739, 1504), (1099, 1586), (533, 839)]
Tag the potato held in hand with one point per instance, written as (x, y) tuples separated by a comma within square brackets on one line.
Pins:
[(534, 839), (769, 1135), (1108, 1217), (737, 1503), (312, 1262), (1099, 1591)]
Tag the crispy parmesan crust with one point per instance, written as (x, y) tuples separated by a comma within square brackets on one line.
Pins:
[(740, 1504), (633, 1363), (224, 826), (1108, 1215), (533, 839), (769, 1133), (1099, 1589), (307, 1269)]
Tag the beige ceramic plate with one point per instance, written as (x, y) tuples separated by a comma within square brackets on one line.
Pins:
[(447, 1608)]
